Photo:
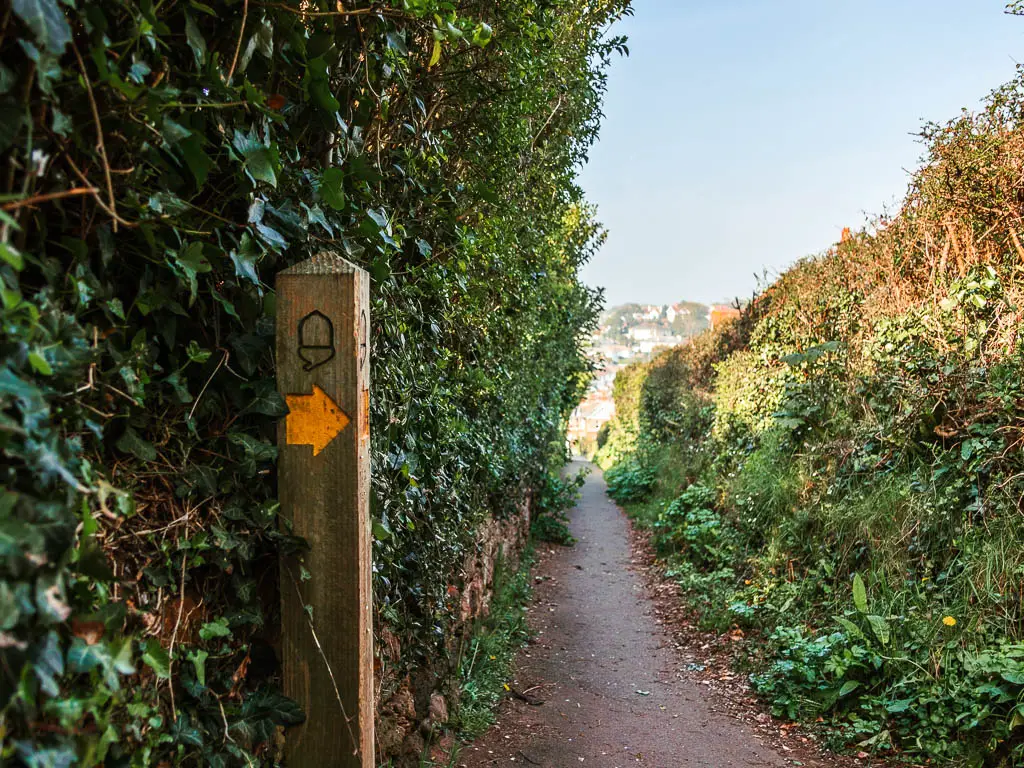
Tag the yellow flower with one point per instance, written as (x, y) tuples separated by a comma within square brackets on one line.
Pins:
[(949, 621)]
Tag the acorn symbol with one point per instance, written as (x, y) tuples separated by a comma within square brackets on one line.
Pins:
[(316, 340)]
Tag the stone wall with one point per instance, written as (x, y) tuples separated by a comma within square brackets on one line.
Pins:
[(413, 709)]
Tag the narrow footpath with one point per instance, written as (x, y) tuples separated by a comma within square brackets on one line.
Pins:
[(614, 690)]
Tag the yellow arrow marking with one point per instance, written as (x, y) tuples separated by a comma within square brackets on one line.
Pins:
[(313, 420)]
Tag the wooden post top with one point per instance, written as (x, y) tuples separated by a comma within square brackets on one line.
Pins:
[(323, 263)]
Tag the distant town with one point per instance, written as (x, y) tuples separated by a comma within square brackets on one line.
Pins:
[(631, 333)]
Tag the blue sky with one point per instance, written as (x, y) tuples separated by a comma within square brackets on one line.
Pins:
[(741, 135)]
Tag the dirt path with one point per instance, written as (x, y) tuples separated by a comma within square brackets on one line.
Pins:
[(615, 692)]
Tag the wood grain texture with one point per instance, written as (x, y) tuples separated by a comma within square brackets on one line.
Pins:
[(327, 656)]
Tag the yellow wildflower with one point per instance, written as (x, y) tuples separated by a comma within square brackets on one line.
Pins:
[(949, 621)]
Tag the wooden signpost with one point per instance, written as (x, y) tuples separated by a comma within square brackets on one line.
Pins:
[(323, 372)]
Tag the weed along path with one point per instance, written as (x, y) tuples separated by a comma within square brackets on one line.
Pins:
[(613, 688)]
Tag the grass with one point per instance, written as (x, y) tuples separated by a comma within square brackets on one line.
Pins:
[(488, 662)]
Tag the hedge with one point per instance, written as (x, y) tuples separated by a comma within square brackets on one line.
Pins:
[(161, 161)]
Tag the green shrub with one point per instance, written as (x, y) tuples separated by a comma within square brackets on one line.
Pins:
[(692, 527), (630, 480), (552, 500)]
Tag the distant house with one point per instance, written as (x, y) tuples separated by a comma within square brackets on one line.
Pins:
[(616, 351), (660, 342), (674, 311), (586, 421), (644, 332), (720, 313)]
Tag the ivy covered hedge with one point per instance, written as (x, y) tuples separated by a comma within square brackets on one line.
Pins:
[(161, 161)]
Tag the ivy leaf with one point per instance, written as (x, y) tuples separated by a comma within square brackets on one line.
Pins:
[(272, 237), (188, 263), (216, 628), (198, 659), (245, 258), (116, 308), (196, 41), (320, 86), (263, 398), (179, 387), (396, 42), (260, 161), (184, 732), (482, 35), (167, 203), (47, 22), (198, 162), (331, 188), (51, 601), (155, 657), (61, 123), (9, 254), (320, 91), (262, 711), (257, 452), (132, 443), (174, 132), (197, 354), (316, 216), (380, 531), (48, 69), (265, 39), (49, 664), (39, 364), (966, 449), (92, 562), (138, 72)]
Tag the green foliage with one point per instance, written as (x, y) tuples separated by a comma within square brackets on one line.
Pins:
[(630, 480), (161, 163), (488, 662), (691, 526), (550, 504), (839, 473)]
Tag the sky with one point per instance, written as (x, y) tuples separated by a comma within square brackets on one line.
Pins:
[(742, 135)]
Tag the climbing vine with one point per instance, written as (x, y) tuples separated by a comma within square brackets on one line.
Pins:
[(161, 161)]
